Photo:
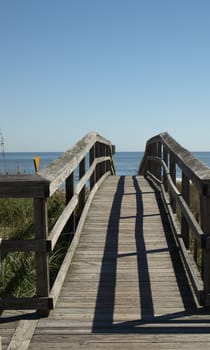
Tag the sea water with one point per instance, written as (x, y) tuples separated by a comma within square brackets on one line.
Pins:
[(126, 163), (22, 162)]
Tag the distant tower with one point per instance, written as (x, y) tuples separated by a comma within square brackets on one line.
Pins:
[(2, 148)]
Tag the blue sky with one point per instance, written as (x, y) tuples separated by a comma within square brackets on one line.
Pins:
[(128, 69)]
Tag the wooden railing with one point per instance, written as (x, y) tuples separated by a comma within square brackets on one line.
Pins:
[(163, 156), (92, 152)]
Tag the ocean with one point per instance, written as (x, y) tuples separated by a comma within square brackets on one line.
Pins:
[(126, 163)]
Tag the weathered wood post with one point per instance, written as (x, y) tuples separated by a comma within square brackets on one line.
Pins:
[(103, 164), (151, 152), (42, 259), (205, 225), (69, 194), (155, 149), (82, 193), (159, 155), (111, 152), (172, 165), (97, 154), (186, 196), (165, 159), (107, 166), (69, 187), (91, 160)]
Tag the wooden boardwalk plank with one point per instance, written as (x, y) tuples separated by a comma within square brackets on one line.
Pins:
[(13, 328), (126, 286)]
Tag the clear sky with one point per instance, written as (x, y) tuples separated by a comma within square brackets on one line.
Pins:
[(128, 69)]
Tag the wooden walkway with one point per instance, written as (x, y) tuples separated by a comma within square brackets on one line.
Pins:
[(126, 287)]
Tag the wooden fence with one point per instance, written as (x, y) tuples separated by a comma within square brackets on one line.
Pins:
[(163, 156), (92, 159)]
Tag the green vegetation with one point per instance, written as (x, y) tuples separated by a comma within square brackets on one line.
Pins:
[(17, 274)]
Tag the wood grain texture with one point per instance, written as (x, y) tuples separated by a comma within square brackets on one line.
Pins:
[(23, 186), (42, 186), (16, 326), (192, 235), (126, 287)]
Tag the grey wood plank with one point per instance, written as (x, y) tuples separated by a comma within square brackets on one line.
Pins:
[(125, 287)]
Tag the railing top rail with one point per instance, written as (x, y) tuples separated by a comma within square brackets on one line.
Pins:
[(58, 170), (23, 186), (193, 167)]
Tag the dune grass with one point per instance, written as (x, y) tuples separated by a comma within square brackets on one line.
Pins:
[(17, 273)]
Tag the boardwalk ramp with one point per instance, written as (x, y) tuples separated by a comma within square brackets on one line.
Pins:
[(126, 287)]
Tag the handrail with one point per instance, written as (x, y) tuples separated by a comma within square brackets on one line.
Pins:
[(194, 169), (61, 168), (93, 152), (162, 155)]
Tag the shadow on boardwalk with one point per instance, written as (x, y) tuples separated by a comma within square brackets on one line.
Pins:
[(6, 317), (191, 320)]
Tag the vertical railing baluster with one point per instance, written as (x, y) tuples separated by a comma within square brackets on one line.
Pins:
[(106, 154), (153, 153), (69, 187), (97, 154), (165, 158), (186, 196), (69, 194), (159, 155), (42, 259), (82, 193), (205, 225), (155, 150), (172, 165), (111, 152), (91, 160), (104, 163)]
